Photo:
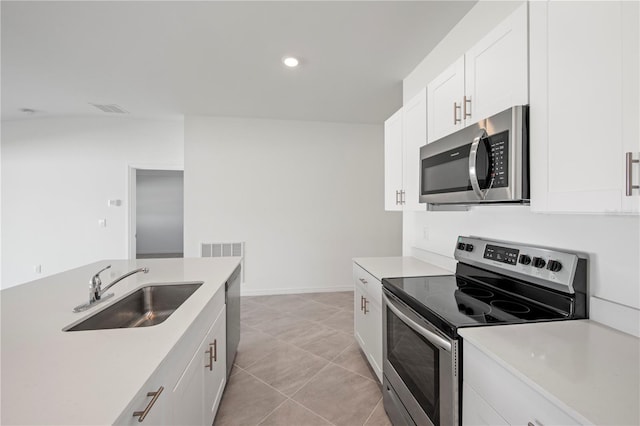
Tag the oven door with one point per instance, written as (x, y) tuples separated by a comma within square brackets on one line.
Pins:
[(420, 368)]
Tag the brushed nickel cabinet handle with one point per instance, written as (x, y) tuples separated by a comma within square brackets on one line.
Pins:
[(210, 353), (466, 113), (402, 197), (629, 174), (361, 303), (215, 350), (366, 311), (142, 414), (456, 107)]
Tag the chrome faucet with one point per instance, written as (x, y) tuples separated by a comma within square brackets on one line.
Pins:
[(96, 291)]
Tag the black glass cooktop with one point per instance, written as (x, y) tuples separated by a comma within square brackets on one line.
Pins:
[(451, 301)]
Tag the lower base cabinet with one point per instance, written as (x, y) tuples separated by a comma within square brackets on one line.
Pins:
[(198, 392), (368, 317), (491, 395), (187, 387)]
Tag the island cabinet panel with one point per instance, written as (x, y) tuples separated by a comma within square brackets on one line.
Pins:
[(192, 376), (197, 394), (368, 317)]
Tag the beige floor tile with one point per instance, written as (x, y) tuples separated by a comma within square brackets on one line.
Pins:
[(246, 401), (284, 327), (277, 301), (333, 299), (314, 311), (322, 341), (354, 360), (258, 316), (254, 345), (342, 320), (340, 396), (379, 416), (293, 414), (288, 368)]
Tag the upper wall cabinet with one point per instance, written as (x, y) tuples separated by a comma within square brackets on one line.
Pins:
[(491, 77), (404, 133), (584, 115)]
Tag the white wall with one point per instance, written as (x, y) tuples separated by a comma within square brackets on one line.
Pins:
[(159, 211), (57, 175), (611, 241), (306, 197)]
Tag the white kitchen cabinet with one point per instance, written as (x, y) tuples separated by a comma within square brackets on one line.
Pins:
[(496, 69), (199, 390), (404, 133), (584, 105), (492, 395), (393, 161), (368, 317), (445, 95), (491, 77)]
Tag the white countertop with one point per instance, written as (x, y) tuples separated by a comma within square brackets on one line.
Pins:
[(88, 377), (390, 267), (587, 369)]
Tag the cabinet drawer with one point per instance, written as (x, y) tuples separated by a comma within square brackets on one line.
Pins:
[(371, 286), (513, 399)]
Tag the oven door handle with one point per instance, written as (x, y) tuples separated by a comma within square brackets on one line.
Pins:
[(427, 334), (473, 173)]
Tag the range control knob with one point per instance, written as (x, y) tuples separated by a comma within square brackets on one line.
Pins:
[(469, 247), (461, 246), (539, 262), (554, 266), (524, 259)]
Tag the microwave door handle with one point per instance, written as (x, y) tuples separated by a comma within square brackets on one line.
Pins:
[(473, 174), (427, 334)]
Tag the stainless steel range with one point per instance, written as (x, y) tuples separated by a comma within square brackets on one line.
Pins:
[(495, 283)]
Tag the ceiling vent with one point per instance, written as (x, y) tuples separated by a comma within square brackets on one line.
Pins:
[(113, 108)]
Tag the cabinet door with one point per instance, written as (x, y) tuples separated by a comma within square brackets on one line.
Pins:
[(359, 325), (414, 135), (444, 102), (373, 320), (584, 105), (393, 161), (496, 69), (215, 371)]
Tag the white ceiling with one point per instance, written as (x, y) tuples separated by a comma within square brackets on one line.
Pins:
[(173, 58)]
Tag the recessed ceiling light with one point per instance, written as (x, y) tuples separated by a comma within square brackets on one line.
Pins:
[(290, 61)]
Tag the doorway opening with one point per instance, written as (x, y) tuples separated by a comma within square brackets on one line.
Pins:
[(158, 214)]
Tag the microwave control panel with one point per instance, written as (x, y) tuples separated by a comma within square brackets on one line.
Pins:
[(499, 145)]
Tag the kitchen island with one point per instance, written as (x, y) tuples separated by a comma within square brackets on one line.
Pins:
[(51, 376)]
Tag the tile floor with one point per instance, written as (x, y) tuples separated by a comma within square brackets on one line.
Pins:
[(298, 364)]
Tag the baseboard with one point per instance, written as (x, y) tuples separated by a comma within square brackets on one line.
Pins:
[(615, 315), (297, 290)]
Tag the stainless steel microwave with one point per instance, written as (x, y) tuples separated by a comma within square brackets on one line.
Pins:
[(487, 162)]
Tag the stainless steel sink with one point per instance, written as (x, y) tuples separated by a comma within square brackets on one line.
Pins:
[(145, 307)]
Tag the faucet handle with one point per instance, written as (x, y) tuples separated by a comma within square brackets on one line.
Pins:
[(96, 277)]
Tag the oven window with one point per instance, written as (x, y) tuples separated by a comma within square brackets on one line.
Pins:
[(417, 363)]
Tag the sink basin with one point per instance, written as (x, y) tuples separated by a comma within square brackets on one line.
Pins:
[(145, 307)]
